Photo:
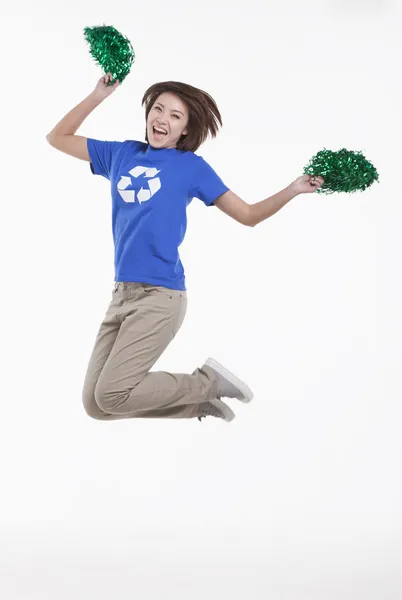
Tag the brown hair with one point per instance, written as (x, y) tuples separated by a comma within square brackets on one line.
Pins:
[(204, 114)]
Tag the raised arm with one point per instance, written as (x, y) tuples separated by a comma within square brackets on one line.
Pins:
[(63, 138)]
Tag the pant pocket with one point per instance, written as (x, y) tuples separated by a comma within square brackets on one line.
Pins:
[(158, 290)]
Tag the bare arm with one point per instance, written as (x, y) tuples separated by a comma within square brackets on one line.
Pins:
[(63, 138), (233, 206), (268, 207), (252, 214)]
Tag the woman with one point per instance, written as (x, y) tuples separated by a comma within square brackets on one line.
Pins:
[(152, 184)]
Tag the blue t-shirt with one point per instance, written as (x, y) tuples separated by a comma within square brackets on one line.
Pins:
[(151, 189)]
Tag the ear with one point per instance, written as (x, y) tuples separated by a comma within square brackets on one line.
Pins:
[(185, 132)]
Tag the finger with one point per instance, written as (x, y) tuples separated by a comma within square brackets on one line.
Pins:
[(315, 185)]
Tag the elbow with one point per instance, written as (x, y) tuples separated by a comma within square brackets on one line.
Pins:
[(250, 221), (51, 138)]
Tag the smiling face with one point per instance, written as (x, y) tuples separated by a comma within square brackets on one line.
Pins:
[(167, 121)]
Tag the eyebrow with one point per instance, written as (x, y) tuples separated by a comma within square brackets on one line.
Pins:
[(174, 110)]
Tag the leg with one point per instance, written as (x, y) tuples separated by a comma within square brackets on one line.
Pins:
[(150, 318), (105, 340)]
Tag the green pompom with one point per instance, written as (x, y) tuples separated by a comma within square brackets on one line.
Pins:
[(343, 171), (111, 50)]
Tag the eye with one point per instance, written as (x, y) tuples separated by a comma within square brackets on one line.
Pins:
[(177, 116)]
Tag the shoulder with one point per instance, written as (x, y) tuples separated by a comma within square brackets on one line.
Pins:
[(202, 168), (133, 146), (199, 164)]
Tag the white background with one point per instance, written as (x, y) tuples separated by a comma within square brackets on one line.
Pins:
[(299, 498)]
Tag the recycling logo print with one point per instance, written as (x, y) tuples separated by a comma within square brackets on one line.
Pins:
[(143, 195)]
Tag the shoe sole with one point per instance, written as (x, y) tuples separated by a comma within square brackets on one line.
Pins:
[(224, 408), (240, 385)]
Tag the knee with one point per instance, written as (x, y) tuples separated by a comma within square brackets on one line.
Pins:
[(111, 402), (91, 408), (99, 415)]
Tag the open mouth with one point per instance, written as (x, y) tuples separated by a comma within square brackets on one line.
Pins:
[(158, 133)]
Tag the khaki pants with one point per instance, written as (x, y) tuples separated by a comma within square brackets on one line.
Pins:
[(139, 324)]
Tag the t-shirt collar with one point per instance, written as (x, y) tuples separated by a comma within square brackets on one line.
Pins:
[(160, 152)]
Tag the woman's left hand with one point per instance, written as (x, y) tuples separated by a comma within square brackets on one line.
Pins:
[(306, 184)]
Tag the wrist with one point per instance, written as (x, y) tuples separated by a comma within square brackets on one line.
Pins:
[(293, 190), (95, 99)]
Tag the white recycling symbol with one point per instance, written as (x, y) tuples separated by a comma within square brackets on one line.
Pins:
[(154, 184)]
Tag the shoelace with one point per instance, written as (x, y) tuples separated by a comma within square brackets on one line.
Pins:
[(209, 411)]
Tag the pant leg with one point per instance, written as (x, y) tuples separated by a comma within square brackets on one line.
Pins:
[(150, 317), (104, 343)]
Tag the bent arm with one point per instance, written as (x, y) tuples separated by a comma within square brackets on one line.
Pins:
[(63, 138), (234, 207), (253, 214)]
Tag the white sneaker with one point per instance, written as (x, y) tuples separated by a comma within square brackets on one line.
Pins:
[(229, 386), (215, 408)]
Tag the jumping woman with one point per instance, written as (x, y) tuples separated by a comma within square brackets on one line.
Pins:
[(152, 184)]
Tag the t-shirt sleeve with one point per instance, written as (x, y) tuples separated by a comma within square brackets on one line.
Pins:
[(102, 154), (207, 185)]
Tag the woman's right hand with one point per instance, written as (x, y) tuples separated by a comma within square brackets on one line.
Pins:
[(103, 90)]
